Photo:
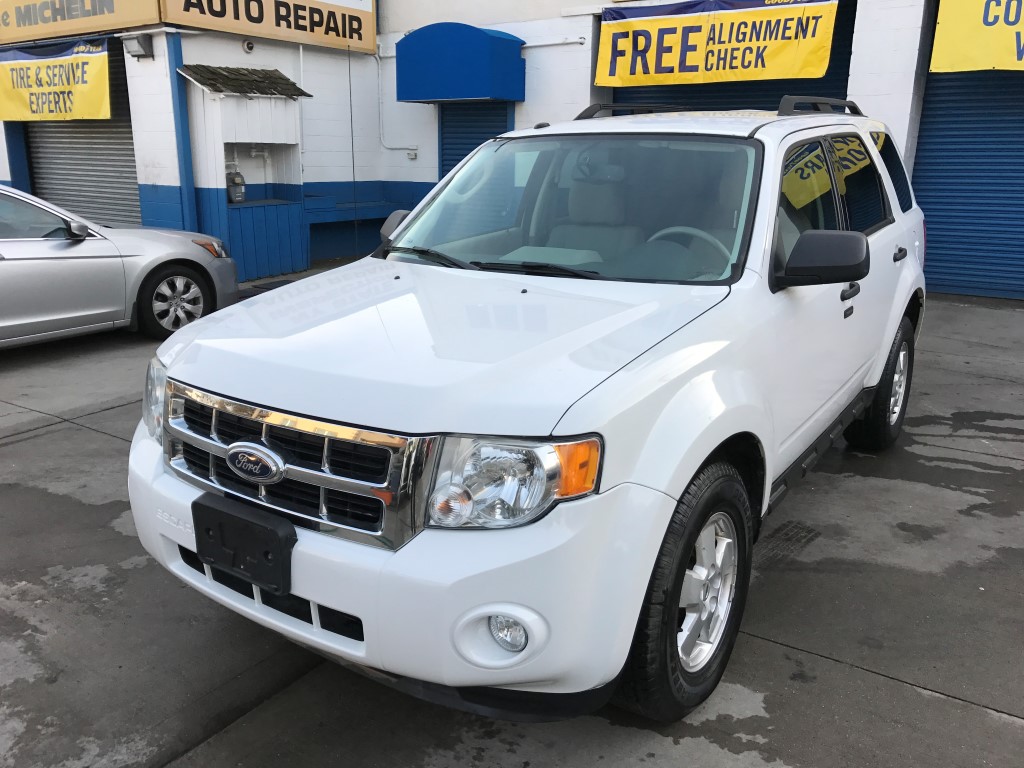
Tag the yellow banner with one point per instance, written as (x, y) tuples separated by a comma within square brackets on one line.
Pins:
[(347, 24), (24, 20), (712, 41), (70, 83), (979, 34)]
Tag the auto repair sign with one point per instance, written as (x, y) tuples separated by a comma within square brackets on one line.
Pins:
[(973, 35), (347, 24), (66, 82), (714, 41)]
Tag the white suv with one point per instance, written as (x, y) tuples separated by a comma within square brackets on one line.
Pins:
[(516, 460)]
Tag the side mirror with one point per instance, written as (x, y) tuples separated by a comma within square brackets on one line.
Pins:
[(77, 230), (394, 221), (824, 257)]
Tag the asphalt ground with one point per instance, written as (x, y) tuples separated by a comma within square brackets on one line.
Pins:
[(885, 624)]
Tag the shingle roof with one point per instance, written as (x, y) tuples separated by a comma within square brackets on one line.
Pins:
[(242, 81)]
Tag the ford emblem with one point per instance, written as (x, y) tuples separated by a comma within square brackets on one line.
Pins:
[(255, 463)]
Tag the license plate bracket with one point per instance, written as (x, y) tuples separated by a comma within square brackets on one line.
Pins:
[(246, 542)]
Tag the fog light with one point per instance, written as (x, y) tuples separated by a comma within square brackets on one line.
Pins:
[(508, 633)]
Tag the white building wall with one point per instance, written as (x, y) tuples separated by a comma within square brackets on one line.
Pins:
[(885, 79), (149, 90), (327, 119), (559, 73)]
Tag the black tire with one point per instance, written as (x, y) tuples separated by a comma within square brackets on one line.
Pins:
[(654, 683), (875, 430), (149, 322)]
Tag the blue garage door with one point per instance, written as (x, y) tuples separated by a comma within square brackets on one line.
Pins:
[(465, 125), (969, 179), (759, 94)]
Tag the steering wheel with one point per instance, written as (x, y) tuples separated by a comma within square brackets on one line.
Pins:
[(700, 234)]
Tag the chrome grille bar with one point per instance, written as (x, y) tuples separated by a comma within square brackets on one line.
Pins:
[(401, 493)]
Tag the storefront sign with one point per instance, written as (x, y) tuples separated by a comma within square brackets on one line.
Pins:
[(713, 41), (979, 34), (23, 20), (70, 82), (348, 24)]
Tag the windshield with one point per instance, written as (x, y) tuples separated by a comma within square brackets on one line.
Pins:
[(653, 208)]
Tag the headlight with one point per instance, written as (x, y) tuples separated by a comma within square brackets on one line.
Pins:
[(154, 398), (493, 483), (215, 247)]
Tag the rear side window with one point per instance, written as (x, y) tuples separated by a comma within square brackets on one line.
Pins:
[(894, 165), (860, 186)]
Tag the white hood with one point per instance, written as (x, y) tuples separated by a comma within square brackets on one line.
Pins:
[(421, 349)]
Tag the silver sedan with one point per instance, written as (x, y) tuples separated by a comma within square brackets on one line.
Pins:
[(61, 275)]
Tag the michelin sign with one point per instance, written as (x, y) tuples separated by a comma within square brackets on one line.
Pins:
[(713, 41)]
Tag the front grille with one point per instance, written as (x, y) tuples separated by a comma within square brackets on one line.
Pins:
[(344, 481), (337, 507)]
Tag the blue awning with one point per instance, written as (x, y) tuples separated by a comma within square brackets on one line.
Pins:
[(459, 62)]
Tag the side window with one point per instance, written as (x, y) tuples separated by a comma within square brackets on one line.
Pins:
[(807, 201), (20, 220), (894, 165), (860, 186)]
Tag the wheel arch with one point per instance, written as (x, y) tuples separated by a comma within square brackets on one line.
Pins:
[(745, 452), (915, 311)]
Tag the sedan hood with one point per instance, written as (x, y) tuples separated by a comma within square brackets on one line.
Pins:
[(420, 349)]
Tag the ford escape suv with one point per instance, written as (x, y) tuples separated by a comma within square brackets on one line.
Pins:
[(517, 459)]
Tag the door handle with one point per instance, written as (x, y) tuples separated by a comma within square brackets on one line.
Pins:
[(849, 293), (901, 254)]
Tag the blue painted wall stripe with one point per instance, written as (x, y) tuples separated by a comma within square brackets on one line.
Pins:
[(17, 156), (179, 98)]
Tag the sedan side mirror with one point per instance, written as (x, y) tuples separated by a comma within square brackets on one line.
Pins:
[(77, 230), (825, 257), (394, 221)]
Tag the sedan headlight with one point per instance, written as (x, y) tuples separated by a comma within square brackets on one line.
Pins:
[(495, 483), (153, 401), (214, 247)]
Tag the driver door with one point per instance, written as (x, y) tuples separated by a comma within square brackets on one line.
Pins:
[(50, 283)]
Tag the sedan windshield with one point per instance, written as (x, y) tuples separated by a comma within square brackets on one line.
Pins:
[(648, 208)]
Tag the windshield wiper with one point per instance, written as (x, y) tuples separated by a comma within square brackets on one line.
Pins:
[(539, 268), (429, 254)]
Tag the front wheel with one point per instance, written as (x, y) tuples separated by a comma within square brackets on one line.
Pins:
[(883, 420), (171, 298), (691, 614)]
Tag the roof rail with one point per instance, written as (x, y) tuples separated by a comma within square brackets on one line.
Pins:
[(791, 105), (595, 109)]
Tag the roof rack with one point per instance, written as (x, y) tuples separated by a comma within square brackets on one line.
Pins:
[(595, 109), (791, 105)]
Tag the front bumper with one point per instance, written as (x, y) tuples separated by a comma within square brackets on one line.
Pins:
[(224, 273), (576, 578)]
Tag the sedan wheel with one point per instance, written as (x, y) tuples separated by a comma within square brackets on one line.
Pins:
[(171, 298), (177, 302)]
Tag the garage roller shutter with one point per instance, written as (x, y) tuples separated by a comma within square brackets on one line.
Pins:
[(969, 177), (759, 94), (88, 166), (467, 125)]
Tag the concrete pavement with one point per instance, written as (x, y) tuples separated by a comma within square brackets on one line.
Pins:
[(884, 626)]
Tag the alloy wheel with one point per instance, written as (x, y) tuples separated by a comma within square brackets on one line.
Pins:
[(177, 301), (706, 598)]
